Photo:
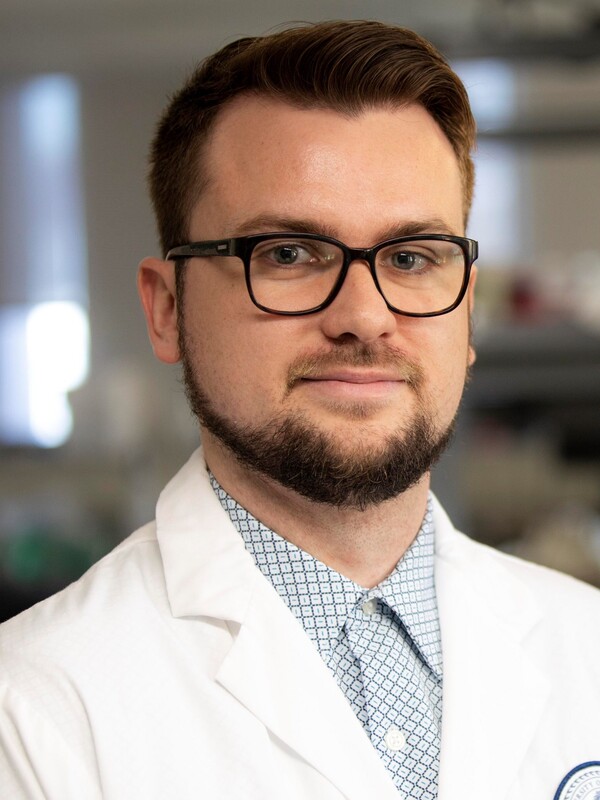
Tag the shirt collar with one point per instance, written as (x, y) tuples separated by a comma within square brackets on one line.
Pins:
[(410, 592), (320, 598)]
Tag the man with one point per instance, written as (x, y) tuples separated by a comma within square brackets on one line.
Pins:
[(302, 621)]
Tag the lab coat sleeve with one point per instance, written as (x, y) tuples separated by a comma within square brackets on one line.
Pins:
[(35, 761)]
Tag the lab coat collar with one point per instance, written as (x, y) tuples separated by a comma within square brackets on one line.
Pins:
[(196, 538), (494, 695)]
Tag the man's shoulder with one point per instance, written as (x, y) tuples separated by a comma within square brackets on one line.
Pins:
[(542, 580), (128, 577), (564, 604)]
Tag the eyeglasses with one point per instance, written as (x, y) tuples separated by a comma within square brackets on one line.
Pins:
[(295, 274)]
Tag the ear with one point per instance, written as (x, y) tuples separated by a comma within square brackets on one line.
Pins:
[(471, 305), (156, 287)]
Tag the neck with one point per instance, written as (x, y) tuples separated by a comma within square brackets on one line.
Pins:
[(364, 545)]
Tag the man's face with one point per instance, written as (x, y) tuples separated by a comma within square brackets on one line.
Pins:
[(354, 377)]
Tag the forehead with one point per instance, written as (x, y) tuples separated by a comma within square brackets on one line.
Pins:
[(267, 157)]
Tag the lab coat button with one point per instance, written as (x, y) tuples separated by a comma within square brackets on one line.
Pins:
[(369, 606), (395, 739)]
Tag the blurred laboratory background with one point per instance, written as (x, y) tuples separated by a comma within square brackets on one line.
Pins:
[(91, 427)]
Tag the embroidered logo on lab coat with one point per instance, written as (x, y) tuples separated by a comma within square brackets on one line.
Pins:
[(581, 783)]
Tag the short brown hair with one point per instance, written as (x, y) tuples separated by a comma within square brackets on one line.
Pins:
[(342, 66)]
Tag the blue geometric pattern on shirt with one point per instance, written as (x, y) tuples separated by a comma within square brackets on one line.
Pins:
[(387, 662)]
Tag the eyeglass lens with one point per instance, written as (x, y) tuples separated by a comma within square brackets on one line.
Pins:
[(296, 274)]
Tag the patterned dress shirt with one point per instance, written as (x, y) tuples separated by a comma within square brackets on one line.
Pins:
[(382, 645)]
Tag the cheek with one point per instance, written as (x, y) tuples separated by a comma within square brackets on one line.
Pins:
[(239, 356), (444, 360), (212, 320)]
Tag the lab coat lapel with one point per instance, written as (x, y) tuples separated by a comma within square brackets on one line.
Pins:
[(292, 692), (494, 695), (208, 572)]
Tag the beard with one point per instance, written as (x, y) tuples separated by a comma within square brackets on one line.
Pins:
[(298, 455)]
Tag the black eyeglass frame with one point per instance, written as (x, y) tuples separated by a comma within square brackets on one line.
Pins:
[(243, 246)]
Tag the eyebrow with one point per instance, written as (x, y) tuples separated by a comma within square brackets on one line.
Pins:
[(267, 223)]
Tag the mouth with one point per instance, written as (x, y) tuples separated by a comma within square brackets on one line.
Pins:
[(354, 384), (355, 376), (360, 374)]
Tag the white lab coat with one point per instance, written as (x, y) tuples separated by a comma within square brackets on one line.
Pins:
[(173, 671)]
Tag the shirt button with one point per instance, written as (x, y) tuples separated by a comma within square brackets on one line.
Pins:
[(369, 606), (395, 739)]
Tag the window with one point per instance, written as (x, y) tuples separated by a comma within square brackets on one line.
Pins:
[(44, 336), (498, 214)]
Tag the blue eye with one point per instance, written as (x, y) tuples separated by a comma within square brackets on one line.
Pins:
[(409, 262), (287, 254), (283, 254)]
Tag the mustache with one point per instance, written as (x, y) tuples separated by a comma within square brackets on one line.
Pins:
[(356, 355)]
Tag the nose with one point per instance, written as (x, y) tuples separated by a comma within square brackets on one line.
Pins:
[(359, 310)]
